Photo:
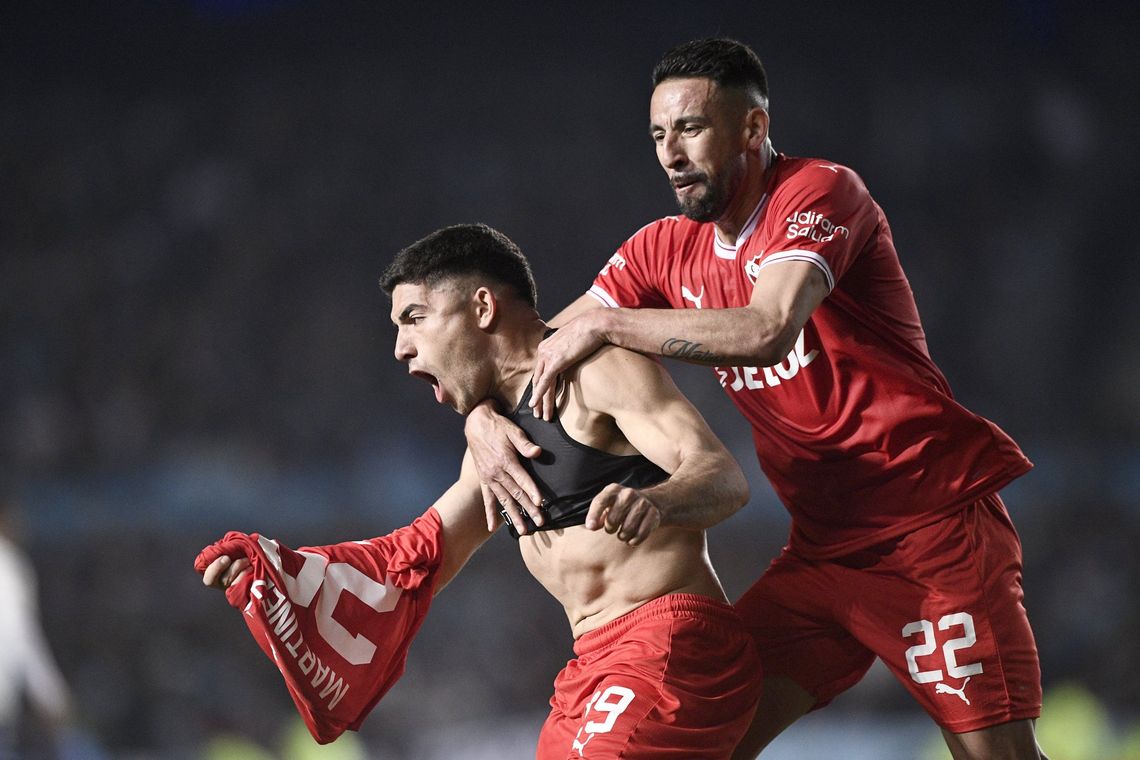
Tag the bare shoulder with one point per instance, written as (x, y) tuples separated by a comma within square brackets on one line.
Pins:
[(617, 377), (613, 364), (607, 393)]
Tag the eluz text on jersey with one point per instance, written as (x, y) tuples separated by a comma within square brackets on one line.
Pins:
[(747, 377)]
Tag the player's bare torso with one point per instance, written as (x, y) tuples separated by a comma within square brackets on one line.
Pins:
[(594, 575)]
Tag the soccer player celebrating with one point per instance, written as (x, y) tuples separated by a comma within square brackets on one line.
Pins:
[(630, 477), (782, 275)]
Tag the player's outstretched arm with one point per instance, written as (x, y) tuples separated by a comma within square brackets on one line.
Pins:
[(760, 334), (705, 484), (464, 527)]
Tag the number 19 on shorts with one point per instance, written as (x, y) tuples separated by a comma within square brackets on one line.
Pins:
[(606, 705)]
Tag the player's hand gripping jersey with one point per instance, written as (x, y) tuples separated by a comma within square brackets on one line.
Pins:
[(856, 429), (336, 620)]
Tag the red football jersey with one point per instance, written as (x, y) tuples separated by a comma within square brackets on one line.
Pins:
[(856, 429), (336, 620)]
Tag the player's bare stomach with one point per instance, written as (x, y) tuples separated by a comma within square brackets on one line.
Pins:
[(598, 578)]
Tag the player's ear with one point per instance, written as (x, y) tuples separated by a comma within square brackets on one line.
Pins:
[(756, 127), (486, 306)]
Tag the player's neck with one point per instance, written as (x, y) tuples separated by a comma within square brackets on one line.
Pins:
[(514, 364), (752, 186)]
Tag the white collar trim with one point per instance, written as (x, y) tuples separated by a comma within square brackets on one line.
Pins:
[(726, 251)]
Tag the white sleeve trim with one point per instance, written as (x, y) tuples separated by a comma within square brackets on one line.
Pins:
[(606, 299), (809, 256)]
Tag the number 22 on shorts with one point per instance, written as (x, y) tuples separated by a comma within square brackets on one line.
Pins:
[(928, 644), (611, 703)]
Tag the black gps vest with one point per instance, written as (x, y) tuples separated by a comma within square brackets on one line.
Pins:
[(570, 474)]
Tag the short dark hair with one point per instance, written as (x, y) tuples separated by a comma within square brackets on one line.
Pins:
[(461, 251), (727, 62)]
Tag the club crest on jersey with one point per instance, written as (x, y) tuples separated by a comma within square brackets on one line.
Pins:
[(752, 268)]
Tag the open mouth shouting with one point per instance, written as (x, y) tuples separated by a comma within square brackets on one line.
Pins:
[(430, 379)]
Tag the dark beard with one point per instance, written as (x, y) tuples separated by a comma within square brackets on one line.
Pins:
[(712, 205), (706, 208)]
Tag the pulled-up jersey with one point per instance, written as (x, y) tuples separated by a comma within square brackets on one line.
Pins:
[(569, 473), (856, 428)]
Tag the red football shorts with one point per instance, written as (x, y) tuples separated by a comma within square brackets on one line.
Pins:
[(941, 606), (677, 677)]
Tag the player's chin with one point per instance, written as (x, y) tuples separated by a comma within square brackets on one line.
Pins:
[(446, 398), (698, 209)]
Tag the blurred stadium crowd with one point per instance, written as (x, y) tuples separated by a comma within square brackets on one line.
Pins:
[(197, 201)]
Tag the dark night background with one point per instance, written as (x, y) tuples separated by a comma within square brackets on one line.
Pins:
[(197, 198)]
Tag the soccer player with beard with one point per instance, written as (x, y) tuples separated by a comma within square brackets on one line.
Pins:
[(782, 275), (631, 476)]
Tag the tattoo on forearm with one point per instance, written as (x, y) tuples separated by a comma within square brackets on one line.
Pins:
[(690, 351)]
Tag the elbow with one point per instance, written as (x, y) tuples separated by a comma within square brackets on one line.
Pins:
[(768, 354), (736, 491), (771, 342), (777, 346), (742, 493)]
